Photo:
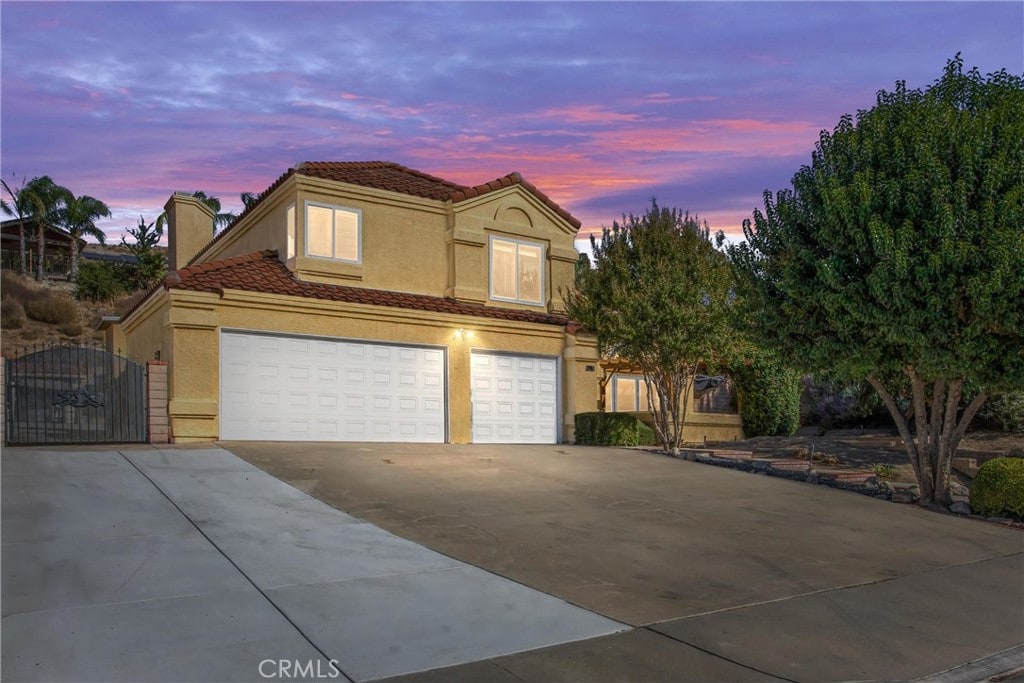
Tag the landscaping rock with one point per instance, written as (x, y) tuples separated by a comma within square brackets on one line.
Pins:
[(872, 482), (812, 477), (960, 508), (958, 489), (902, 497), (886, 487)]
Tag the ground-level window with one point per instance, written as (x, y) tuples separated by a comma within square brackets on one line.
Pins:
[(333, 232), (628, 393), (517, 270)]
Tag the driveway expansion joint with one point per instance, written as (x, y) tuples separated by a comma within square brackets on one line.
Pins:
[(263, 593)]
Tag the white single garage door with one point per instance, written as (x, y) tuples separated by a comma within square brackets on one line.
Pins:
[(515, 398), (279, 388)]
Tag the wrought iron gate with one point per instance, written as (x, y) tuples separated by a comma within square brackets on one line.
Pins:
[(74, 394)]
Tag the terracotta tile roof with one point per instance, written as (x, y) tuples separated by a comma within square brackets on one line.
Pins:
[(262, 272), (383, 175), (387, 175)]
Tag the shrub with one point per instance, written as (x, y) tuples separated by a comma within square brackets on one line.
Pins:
[(71, 329), (885, 471), (1004, 412), (100, 281), (834, 404), (998, 488), (612, 429), (12, 313), (769, 395), (20, 289), (52, 309)]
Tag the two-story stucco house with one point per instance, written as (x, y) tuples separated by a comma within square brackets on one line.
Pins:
[(366, 301)]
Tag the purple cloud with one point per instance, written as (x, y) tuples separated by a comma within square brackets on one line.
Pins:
[(602, 105)]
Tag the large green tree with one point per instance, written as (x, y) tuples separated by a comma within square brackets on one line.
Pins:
[(658, 296), (17, 204), (78, 217), (45, 200), (898, 253)]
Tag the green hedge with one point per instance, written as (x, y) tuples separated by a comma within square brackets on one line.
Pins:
[(998, 488), (612, 429), (769, 395), (1004, 412)]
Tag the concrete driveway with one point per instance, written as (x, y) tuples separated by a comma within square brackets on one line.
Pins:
[(506, 563), (759, 577), (193, 565)]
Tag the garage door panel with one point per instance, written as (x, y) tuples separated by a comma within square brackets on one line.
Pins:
[(514, 398), (323, 390)]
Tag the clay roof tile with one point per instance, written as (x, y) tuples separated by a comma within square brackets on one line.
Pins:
[(263, 272)]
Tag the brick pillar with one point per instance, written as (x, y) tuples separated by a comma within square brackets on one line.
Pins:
[(157, 425), (3, 400)]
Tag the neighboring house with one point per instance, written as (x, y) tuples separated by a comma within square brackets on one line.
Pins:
[(58, 248), (107, 257), (366, 301)]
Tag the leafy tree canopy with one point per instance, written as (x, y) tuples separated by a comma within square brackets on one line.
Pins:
[(898, 251), (657, 296)]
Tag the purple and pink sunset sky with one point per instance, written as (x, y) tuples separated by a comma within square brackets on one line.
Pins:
[(602, 105)]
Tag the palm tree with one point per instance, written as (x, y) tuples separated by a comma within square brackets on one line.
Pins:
[(248, 199), (18, 207), (219, 219), (46, 199), (78, 216)]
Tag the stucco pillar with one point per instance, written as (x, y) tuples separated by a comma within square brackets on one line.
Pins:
[(157, 424), (189, 228), (195, 381), (582, 375)]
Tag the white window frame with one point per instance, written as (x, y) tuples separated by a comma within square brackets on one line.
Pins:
[(334, 208), (637, 382), (290, 229), (490, 269), (639, 397)]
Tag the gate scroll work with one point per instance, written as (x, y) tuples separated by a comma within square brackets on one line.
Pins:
[(74, 395)]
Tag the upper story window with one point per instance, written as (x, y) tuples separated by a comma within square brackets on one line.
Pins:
[(517, 271), (333, 232)]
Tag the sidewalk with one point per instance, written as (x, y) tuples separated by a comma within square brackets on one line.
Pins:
[(182, 565)]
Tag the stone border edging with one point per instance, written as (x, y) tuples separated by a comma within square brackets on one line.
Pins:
[(810, 476)]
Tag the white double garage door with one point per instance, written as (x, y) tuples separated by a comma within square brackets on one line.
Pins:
[(285, 388)]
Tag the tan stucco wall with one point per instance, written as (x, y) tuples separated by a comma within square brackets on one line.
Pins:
[(145, 331), (698, 427), (196, 319), (511, 212), (403, 247)]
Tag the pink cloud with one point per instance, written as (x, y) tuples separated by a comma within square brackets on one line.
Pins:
[(582, 113)]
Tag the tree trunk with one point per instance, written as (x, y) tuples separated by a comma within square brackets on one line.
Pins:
[(666, 415), (41, 250), (74, 257), (938, 431)]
